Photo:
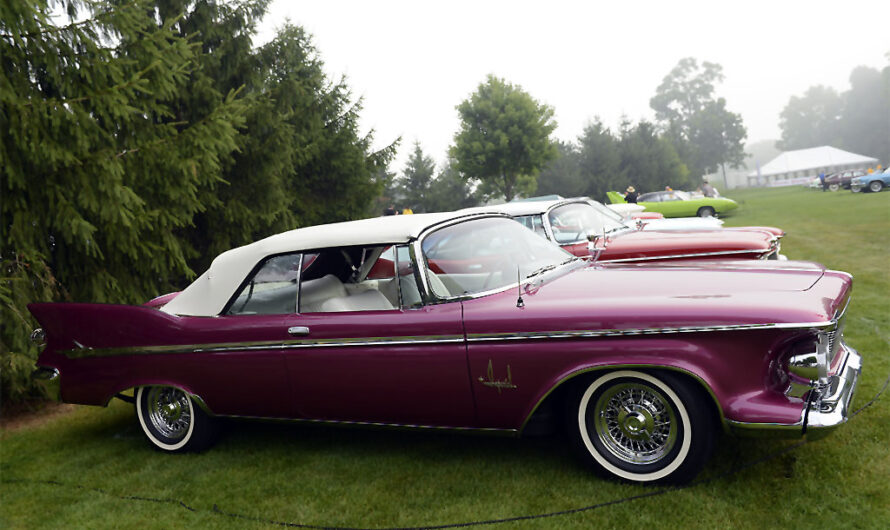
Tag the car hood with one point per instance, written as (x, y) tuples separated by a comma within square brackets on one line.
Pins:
[(667, 296), (654, 244)]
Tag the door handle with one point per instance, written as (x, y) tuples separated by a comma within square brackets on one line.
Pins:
[(298, 331)]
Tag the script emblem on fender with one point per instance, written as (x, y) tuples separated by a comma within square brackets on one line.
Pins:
[(499, 384)]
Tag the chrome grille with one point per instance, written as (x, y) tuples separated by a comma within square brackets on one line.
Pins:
[(834, 338)]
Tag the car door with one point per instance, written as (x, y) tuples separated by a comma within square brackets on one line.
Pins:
[(359, 363)]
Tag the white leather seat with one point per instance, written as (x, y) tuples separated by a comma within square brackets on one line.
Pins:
[(364, 301), (313, 293)]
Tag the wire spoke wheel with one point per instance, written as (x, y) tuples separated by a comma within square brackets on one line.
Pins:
[(642, 426), (169, 411), (635, 423), (172, 421)]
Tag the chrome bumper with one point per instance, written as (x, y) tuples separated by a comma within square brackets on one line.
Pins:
[(49, 380), (832, 407)]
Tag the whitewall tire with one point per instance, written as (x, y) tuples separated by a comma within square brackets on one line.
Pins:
[(642, 427), (172, 421)]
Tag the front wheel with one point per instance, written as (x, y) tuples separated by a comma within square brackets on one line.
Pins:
[(875, 186), (834, 187), (705, 211), (643, 427), (172, 421)]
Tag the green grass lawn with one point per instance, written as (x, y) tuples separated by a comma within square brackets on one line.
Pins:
[(92, 468)]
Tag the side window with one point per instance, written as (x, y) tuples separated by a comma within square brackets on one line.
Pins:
[(343, 279), (535, 223), (272, 290)]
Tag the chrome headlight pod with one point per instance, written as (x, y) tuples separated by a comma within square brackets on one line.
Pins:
[(813, 365)]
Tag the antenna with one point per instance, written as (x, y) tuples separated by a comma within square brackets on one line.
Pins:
[(519, 302)]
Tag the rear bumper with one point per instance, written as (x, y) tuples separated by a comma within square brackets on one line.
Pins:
[(50, 380), (826, 409)]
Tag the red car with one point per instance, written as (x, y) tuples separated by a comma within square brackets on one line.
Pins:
[(473, 323), (570, 222), (842, 179)]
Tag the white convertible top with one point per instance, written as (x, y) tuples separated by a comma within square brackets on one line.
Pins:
[(208, 294)]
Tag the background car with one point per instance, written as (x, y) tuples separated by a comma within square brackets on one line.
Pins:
[(570, 222), (680, 203), (842, 179), (871, 182)]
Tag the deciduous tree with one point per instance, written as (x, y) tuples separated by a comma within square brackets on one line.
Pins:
[(811, 120), (704, 133), (504, 139)]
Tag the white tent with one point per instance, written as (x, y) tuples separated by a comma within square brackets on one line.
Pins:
[(792, 167)]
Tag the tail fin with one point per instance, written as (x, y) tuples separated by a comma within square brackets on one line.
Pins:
[(615, 197)]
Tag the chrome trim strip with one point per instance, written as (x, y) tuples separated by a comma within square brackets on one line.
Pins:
[(680, 256), (226, 347), (351, 423), (424, 340), (584, 334)]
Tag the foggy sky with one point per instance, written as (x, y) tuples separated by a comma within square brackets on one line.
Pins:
[(413, 62)]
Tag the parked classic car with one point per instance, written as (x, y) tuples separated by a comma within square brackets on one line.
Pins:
[(679, 203), (470, 322), (633, 211), (842, 179), (872, 182), (570, 223)]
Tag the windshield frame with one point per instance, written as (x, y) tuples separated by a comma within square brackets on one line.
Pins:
[(431, 298), (600, 209)]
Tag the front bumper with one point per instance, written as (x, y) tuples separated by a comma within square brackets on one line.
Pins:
[(831, 407), (826, 409)]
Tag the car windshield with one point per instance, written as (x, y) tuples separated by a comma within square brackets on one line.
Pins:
[(484, 255), (571, 223)]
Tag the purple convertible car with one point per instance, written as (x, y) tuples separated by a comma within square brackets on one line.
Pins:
[(471, 322)]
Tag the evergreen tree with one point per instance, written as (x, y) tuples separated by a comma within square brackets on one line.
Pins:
[(417, 177), (97, 174), (142, 138), (449, 191), (562, 175)]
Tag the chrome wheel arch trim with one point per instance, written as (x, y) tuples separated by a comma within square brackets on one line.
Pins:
[(573, 376), (196, 399)]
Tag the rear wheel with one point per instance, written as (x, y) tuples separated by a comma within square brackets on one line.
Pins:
[(875, 186), (172, 421), (705, 211), (642, 427)]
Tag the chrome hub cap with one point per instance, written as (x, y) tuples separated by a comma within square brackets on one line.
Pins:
[(635, 423), (169, 411)]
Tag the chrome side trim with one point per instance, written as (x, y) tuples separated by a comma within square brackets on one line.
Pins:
[(681, 256), (424, 340), (261, 345), (584, 334), (356, 423)]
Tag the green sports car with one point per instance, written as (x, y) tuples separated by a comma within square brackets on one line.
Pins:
[(679, 203)]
